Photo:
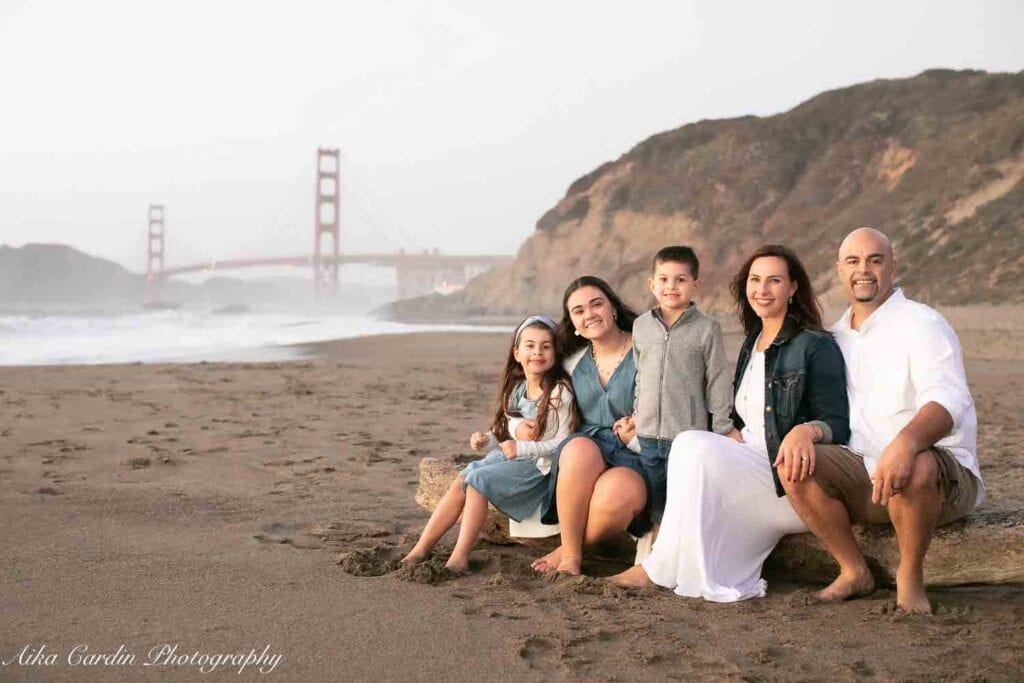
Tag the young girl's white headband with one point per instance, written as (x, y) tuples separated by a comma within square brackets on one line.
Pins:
[(530, 321)]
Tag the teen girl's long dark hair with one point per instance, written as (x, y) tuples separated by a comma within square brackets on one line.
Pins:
[(514, 375), (624, 315), (805, 307)]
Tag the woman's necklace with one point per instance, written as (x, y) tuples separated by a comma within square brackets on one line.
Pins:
[(603, 372)]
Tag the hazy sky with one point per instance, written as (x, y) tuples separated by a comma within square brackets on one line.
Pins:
[(459, 123)]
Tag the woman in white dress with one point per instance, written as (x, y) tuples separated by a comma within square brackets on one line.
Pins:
[(726, 508)]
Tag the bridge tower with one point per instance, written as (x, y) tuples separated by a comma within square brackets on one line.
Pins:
[(325, 263), (155, 243)]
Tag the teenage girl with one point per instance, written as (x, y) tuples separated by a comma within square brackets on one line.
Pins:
[(535, 413)]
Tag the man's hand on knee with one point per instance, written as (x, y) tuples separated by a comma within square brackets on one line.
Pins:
[(893, 470)]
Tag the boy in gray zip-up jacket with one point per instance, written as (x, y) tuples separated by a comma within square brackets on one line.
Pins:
[(682, 377)]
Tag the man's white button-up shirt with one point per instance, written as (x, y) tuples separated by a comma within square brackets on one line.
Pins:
[(903, 356)]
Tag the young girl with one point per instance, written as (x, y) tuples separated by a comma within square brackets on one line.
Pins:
[(536, 406)]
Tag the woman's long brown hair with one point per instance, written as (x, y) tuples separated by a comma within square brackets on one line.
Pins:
[(511, 378), (805, 307)]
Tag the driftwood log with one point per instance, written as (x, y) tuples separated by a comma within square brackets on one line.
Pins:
[(985, 548)]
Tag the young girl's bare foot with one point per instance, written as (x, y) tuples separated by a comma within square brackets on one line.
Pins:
[(548, 563), (634, 577), (847, 587), (457, 566), (412, 558)]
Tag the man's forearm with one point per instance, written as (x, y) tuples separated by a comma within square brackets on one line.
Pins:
[(931, 423)]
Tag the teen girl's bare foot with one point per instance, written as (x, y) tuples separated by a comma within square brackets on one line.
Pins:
[(847, 587), (548, 563), (634, 577)]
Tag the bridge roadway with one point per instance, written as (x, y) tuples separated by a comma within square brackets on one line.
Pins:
[(401, 261)]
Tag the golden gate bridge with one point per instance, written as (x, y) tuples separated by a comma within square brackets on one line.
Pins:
[(416, 273)]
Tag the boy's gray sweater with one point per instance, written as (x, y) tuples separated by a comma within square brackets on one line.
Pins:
[(681, 375)]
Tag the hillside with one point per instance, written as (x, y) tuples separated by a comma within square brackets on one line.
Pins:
[(936, 161)]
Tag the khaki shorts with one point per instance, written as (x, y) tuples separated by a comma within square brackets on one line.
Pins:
[(841, 474)]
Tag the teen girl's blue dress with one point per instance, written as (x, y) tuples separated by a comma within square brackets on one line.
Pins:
[(599, 408)]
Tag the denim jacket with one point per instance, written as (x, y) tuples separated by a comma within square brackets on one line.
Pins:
[(805, 382)]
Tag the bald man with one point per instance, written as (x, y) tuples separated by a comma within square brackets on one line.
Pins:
[(912, 457)]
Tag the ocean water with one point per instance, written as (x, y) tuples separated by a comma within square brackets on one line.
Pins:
[(182, 336)]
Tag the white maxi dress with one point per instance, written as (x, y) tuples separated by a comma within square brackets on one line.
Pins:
[(722, 516)]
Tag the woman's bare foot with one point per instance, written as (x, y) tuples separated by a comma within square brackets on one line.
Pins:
[(412, 558), (548, 563), (847, 587), (569, 564), (634, 577)]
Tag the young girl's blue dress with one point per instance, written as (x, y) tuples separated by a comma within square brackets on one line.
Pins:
[(516, 487), (600, 406)]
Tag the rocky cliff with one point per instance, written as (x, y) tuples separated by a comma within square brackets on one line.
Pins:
[(936, 161)]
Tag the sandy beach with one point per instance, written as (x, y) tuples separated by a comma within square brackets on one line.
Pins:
[(207, 506)]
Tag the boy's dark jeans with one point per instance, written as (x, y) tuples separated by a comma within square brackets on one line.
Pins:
[(654, 460)]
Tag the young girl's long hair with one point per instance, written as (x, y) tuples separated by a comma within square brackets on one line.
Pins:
[(805, 307), (513, 375)]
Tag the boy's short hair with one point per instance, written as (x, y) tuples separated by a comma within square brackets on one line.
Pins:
[(678, 254)]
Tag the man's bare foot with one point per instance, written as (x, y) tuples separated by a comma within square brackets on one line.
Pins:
[(910, 596), (571, 565), (847, 587), (412, 558), (548, 563), (634, 577), (922, 606)]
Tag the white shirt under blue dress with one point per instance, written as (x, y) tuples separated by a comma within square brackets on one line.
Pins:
[(517, 487)]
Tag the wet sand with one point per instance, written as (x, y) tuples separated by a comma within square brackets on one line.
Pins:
[(209, 505)]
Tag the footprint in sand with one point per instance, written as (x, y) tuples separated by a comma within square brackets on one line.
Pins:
[(861, 669), (288, 534), (541, 652), (342, 534), (136, 463)]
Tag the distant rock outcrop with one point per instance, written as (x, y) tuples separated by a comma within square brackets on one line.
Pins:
[(59, 278), (936, 161), (37, 274)]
